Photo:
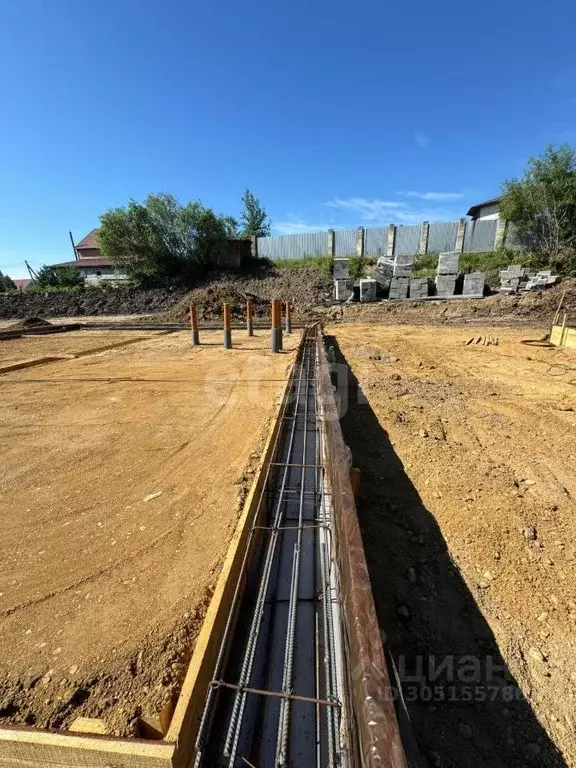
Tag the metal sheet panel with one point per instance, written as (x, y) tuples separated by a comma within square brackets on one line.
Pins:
[(345, 242), (442, 236), (375, 241), (407, 239), (293, 246), (480, 236)]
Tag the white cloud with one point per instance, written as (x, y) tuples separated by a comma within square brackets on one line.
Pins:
[(368, 208), (421, 139), (380, 212), (439, 196), (297, 227)]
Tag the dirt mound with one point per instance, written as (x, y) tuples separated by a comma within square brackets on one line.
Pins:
[(306, 289), (537, 307), (28, 322)]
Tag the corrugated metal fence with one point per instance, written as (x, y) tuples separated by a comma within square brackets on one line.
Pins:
[(480, 236), (293, 246)]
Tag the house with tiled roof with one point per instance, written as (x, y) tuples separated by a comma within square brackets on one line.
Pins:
[(92, 265)]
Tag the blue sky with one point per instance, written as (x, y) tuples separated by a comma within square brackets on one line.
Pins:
[(333, 113)]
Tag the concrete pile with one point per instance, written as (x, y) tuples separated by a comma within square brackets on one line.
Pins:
[(383, 271), (447, 274), (517, 278), (399, 287), (403, 264), (418, 287), (473, 284), (367, 289), (513, 279), (343, 286)]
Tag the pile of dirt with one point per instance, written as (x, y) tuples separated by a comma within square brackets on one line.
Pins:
[(306, 289), (89, 302), (537, 307), (28, 322)]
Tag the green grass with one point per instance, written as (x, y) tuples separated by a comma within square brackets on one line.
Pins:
[(359, 266)]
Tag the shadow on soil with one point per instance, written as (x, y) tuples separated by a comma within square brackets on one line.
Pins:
[(465, 705)]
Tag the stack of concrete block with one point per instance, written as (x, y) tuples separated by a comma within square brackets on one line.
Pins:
[(448, 263), (473, 284), (447, 274), (343, 286), (543, 279), (418, 287), (343, 290), (399, 287), (513, 279), (383, 271), (341, 269), (446, 285), (367, 289), (403, 264)]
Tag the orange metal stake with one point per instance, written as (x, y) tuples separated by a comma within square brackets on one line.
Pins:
[(194, 325), (249, 328), (227, 328), (276, 325), (288, 317)]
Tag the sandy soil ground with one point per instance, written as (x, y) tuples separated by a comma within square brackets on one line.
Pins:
[(121, 478), (468, 511), (69, 343)]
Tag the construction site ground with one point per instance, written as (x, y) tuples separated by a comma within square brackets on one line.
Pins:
[(121, 479), (467, 506)]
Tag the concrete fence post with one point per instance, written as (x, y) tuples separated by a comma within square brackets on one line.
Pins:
[(460, 236), (424, 235), (391, 239), (360, 242), (254, 246), (501, 231), (331, 245)]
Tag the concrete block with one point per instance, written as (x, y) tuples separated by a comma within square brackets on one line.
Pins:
[(448, 263), (473, 283), (418, 287), (446, 285), (399, 287), (367, 289), (383, 270), (341, 269), (343, 289)]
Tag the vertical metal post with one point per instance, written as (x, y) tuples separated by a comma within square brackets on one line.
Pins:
[(227, 329), (249, 328), (288, 317), (276, 325), (194, 325)]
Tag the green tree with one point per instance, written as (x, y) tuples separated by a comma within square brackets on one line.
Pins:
[(58, 277), (162, 239), (254, 219), (542, 206), (9, 284)]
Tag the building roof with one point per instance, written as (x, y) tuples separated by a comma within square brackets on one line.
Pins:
[(86, 263), (473, 210), (90, 241)]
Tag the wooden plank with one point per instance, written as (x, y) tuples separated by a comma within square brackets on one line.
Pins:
[(31, 748), (30, 363), (563, 336), (190, 705)]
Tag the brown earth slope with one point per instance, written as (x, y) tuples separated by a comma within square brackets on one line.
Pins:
[(121, 479), (468, 512)]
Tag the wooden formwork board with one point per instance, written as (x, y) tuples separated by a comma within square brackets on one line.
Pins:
[(563, 336), (23, 747)]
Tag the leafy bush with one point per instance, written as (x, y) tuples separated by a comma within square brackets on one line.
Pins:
[(161, 239)]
